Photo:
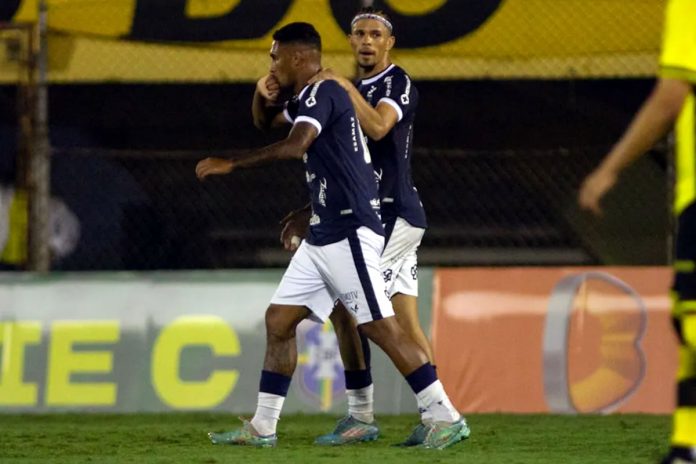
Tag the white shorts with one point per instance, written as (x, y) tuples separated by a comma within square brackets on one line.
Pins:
[(348, 271), (399, 263)]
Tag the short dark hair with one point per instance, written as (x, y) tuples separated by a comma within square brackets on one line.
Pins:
[(300, 33), (374, 11), (370, 10)]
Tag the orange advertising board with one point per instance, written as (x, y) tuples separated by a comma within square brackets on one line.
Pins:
[(561, 340)]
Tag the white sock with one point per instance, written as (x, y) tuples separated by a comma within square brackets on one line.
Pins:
[(361, 403), (426, 415), (437, 404), (267, 413)]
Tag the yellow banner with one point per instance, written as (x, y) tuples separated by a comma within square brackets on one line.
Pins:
[(228, 40)]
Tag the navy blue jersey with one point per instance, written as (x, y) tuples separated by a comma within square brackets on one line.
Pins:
[(391, 156), (340, 176)]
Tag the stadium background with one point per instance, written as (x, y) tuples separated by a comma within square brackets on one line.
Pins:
[(519, 100)]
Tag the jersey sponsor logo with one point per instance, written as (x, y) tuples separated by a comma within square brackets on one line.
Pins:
[(378, 175), (354, 134), (388, 83), (322, 191), (310, 176), (314, 220), (370, 92), (350, 300)]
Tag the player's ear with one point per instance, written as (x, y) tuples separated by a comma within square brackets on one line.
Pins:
[(297, 58), (390, 42)]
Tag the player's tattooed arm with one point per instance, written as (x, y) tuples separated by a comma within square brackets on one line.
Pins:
[(293, 147)]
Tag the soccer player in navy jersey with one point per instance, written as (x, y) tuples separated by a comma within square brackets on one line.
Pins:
[(340, 258), (385, 101)]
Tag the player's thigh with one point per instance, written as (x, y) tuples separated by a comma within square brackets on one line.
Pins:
[(406, 311), (399, 261), (282, 320), (351, 267), (303, 285)]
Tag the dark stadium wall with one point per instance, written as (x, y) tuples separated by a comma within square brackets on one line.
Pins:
[(452, 114), (515, 195)]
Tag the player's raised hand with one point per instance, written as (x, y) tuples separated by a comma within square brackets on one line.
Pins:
[(213, 166), (269, 88), (594, 187)]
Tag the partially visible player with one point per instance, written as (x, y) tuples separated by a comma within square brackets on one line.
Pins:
[(671, 100), (385, 101), (339, 260)]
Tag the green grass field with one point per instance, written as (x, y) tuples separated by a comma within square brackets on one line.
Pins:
[(181, 438)]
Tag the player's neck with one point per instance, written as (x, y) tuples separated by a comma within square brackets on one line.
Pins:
[(366, 73), (305, 75)]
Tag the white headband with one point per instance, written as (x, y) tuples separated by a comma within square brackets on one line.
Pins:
[(379, 18)]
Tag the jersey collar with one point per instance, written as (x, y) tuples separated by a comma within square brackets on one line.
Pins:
[(372, 79)]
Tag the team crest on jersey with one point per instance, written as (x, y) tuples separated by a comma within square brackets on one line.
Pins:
[(320, 380)]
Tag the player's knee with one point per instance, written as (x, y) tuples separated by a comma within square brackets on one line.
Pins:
[(279, 325), (414, 332), (386, 330), (341, 319)]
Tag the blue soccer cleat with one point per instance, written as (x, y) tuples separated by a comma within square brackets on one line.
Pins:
[(245, 436), (417, 436), (441, 435), (349, 430)]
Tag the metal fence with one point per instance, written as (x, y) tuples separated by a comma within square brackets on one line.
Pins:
[(148, 211), (179, 75)]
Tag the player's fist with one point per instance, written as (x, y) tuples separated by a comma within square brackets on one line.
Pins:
[(295, 227), (269, 88), (593, 189), (213, 166)]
